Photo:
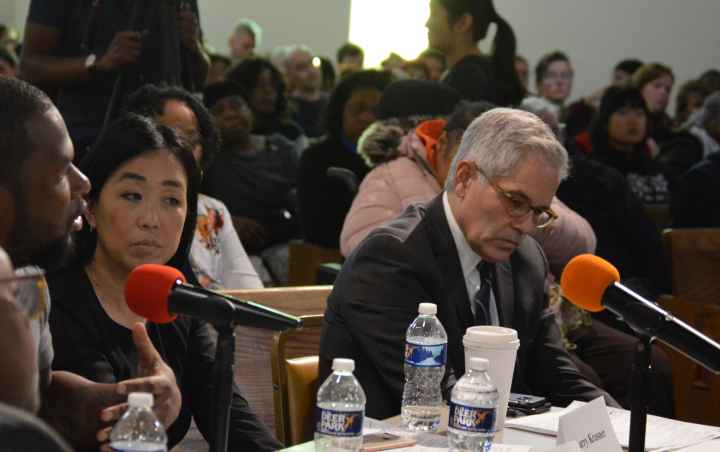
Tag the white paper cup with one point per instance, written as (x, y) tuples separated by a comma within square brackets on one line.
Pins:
[(498, 345)]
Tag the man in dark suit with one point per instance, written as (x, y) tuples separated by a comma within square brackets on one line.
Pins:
[(503, 179)]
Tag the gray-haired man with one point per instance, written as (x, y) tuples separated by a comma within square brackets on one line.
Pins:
[(500, 187)]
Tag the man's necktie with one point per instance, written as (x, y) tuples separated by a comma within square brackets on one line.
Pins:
[(481, 300)]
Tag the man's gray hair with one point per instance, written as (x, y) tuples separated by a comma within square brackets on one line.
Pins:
[(498, 140), (252, 27)]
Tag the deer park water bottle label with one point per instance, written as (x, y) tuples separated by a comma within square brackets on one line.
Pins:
[(338, 423), (421, 355), (471, 419)]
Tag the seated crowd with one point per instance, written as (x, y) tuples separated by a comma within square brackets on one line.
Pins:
[(433, 178)]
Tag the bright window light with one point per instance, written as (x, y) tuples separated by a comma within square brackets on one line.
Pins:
[(384, 26)]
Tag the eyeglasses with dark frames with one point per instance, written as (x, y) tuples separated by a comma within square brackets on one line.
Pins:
[(517, 206)]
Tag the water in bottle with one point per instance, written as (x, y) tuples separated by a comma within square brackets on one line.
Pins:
[(138, 430), (340, 410), (425, 357), (473, 410)]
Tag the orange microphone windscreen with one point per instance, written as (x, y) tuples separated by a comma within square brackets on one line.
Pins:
[(585, 279), (148, 288)]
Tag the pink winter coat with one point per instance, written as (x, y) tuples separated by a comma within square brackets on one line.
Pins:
[(391, 187)]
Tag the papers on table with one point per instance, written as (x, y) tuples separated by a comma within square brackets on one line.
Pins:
[(428, 442), (662, 434)]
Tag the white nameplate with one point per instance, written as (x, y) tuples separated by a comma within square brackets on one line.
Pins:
[(570, 446), (590, 426)]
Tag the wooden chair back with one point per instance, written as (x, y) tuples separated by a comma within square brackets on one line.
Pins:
[(697, 391), (695, 263), (295, 373), (304, 260), (253, 347)]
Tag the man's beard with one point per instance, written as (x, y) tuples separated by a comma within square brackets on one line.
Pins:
[(29, 247)]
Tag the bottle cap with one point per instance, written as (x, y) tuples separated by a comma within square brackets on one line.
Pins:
[(479, 364), (343, 364), (140, 399), (427, 308)]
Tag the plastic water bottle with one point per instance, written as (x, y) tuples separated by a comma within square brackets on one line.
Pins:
[(138, 429), (425, 357), (473, 410), (340, 410)]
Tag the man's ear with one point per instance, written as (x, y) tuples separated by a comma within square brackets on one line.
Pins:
[(7, 218), (464, 172)]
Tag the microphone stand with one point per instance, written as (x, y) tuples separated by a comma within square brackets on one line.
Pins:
[(222, 381), (640, 394)]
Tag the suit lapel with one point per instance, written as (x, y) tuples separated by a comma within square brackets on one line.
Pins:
[(455, 307)]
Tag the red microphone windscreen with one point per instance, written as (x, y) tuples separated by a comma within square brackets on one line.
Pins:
[(147, 290), (585, 279)]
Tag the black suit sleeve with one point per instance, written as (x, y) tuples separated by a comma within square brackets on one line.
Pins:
[(247, 432), (553, 371), (368, 316)]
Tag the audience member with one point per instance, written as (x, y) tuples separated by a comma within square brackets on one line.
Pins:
[(435, 63), (245, 38), (498, 190), (217, 257), (624, 71), (8, 63), (416, 70), (690, 98), (254, 175), (9, 39), (711, 80), (696, 202), (454, 28), (522, 67), (626, 236), (350, 58), (80, 50), (328, 75), (307, 100), (581, 112), (35, 229), (324, 200), (619, 138), (265, 88), (141, 210), (219, 65), (655, 82), (553, 80)]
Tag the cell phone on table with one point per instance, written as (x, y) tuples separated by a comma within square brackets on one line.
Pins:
[(385, 441), (526, 404)]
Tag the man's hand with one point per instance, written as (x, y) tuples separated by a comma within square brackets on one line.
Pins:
[(154, 376), (124, 49)]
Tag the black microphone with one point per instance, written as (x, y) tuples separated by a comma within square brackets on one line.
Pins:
[(159, 293), (591, 283)]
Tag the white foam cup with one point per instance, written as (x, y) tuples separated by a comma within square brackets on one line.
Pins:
[(499, 346)]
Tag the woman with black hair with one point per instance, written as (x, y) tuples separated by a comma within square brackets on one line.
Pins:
[(454, 28), (266, 95), (141, 209), (217, 256), (619, 138), (325, 201)]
